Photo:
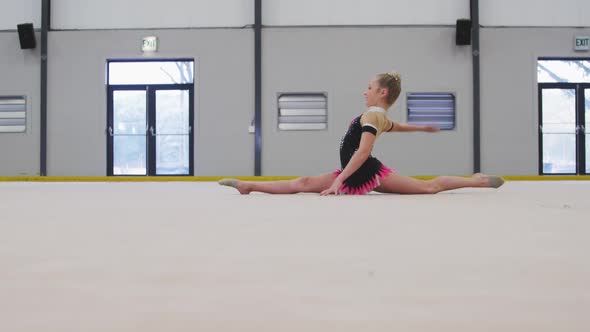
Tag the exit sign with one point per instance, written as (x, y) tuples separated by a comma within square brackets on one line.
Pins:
[(581, 43), (149, 44)]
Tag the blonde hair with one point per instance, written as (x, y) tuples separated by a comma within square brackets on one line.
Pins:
[(391, 81)]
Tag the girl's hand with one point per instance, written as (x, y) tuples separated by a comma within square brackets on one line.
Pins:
[(431, 129), (333, 190)]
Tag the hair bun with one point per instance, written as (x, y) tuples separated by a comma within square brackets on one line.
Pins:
[(393, 74)]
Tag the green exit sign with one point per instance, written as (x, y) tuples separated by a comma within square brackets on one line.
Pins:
[(581, 43), (149, 44)]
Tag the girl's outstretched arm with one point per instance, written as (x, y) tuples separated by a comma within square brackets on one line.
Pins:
[(359, 157), (404, 127)]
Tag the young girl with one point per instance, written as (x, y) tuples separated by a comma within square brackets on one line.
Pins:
[(361, 172)]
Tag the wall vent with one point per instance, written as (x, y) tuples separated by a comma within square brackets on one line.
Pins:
[(13, 114), (303, 111), (432, 109)]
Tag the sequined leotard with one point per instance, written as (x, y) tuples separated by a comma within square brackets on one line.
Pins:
[(366, 177)]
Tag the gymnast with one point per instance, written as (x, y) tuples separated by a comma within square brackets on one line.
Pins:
[(362, 173)]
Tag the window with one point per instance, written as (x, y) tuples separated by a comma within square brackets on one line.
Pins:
[(151, 72), (298, 111), (431, 109), (564, 115), (563, 71), (150, 117), (13, 114)]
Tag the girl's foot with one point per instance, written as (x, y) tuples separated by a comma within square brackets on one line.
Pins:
[(493, 180), (234, 183)]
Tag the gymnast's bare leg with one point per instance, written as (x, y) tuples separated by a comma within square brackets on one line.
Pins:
[(306, 184), (399, 184)]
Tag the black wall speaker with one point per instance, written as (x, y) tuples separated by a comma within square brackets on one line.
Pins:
[(463, 32), (26, 36)]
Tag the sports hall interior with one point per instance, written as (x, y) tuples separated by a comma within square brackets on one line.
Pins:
[(118, 118)]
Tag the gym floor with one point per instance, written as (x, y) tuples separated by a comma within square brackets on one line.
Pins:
[(195, 256)]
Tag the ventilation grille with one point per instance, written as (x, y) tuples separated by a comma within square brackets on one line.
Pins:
[(303, 111), (432, 109), (13, 115)]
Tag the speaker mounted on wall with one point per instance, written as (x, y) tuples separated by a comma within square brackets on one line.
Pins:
[(26, 36), (463, 32)]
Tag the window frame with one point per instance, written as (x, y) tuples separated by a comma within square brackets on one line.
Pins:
[(150, 90)]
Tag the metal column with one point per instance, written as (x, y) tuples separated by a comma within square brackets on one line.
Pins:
[(257, 87), (476, 87), (45, 14)]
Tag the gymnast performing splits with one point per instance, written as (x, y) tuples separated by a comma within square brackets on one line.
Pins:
[(362, 173)]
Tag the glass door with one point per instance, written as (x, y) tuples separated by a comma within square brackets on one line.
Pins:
[(557, 130), (150, 116), (564, 115), (171, 131), (150, 130), (127, 133), (564, 129)]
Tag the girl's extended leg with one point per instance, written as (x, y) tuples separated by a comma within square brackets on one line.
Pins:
[(306, 184), (399, 184)]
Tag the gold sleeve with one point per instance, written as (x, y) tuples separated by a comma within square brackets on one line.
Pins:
[(378, 121), (370, 118)]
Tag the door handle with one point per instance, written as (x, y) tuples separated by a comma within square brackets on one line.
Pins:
[(152, 131), (110, 131)]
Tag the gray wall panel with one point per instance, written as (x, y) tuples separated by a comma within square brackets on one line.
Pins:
[(20, 11), (534, 13), (223, 92), (509, 93), (19, 72), (143, 14), (341, 61), (365, 12)]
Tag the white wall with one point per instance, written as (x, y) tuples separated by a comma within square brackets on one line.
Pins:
[(77, 108), (19, 152), (113, 14), (13, 12), (509, 104), (340, 62), (363, 12), (294, 59), (134, 14), (568, 13)]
